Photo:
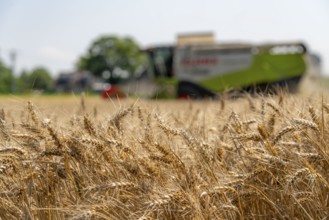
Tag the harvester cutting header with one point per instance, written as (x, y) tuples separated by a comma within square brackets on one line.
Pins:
[(198, 67)]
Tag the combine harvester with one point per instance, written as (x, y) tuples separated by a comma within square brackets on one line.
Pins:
[(197, 67)]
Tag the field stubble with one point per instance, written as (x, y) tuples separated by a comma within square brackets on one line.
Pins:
[(85, 158)]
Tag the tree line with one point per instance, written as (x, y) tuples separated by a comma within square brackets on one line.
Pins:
[(37, 79), (110, 58)]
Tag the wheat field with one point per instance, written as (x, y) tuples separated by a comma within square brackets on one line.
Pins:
[(87, 158)]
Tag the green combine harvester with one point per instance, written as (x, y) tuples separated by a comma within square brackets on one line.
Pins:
[(196, 67)]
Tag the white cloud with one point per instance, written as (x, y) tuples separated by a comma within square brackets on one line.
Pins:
[(56, 54), (55, 59)]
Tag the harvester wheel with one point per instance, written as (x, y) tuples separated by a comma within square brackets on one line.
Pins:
[(191, 90)]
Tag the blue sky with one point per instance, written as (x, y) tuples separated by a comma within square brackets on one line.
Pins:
[(55, 33)]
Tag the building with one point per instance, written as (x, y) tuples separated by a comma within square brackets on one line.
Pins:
[(79, 81)]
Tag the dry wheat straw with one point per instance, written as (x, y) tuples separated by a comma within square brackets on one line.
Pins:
[(88, 125), (32, 113), (2, 115), (267, 166), (271, 124), (83, 101), (4, 131), (252, 106), (249, 136), (274, 107), (306, 124), (314, 116), (248, 122), (262, 109), (237, 122), (55, 137), (116, 119), (326, 108), (282, 132)]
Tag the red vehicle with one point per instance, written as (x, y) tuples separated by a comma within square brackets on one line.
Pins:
[(113, 92)]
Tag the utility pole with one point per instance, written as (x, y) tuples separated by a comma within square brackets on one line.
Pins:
[(12, 56)]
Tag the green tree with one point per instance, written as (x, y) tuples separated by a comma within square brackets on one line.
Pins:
[(23, 82), (112, 58), (38, 79), (6, 78)]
